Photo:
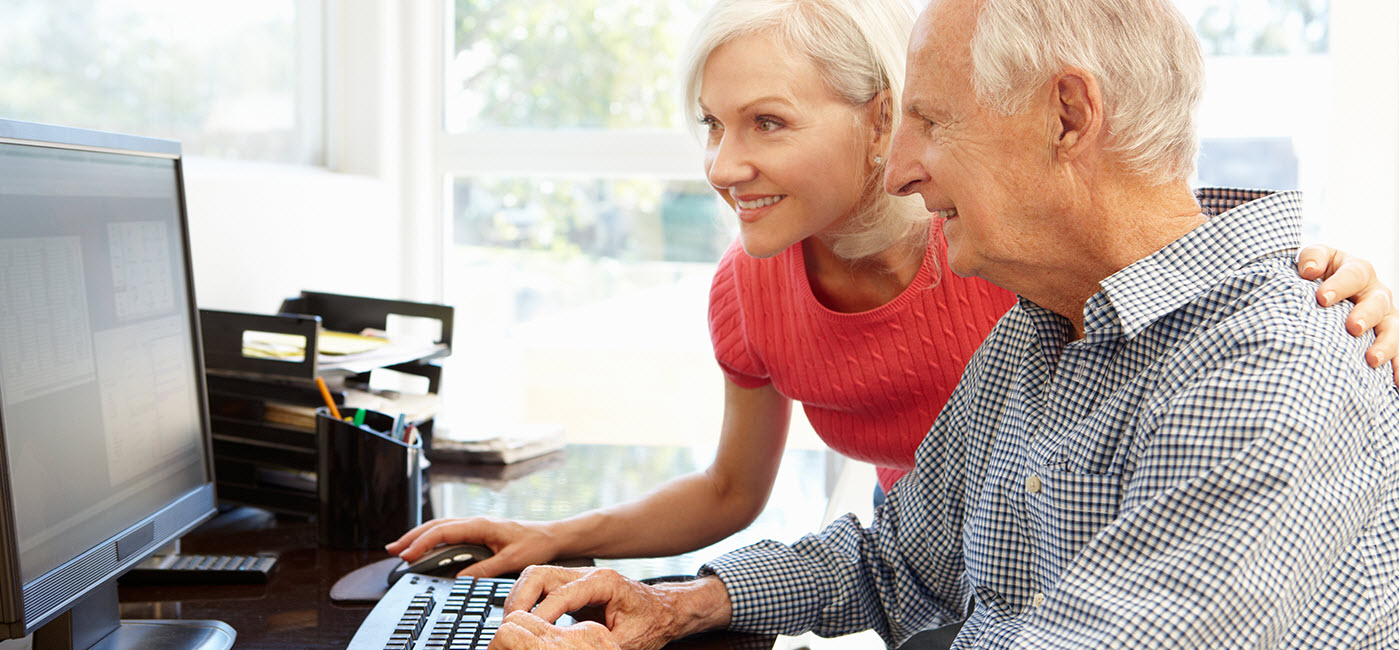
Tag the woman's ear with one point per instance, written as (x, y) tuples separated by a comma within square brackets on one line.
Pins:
[(1078, 109), (879, 114)]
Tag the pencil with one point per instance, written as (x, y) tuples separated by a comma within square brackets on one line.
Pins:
[(326, 394)]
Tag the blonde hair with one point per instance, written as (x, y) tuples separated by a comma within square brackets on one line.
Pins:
[(858, 47), (1144, 53)]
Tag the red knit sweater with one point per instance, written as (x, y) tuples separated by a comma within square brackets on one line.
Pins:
[(871, 382)]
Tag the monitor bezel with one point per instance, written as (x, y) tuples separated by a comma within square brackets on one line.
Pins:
[(25, 607)]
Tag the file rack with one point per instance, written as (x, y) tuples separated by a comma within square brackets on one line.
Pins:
[(262, 410)]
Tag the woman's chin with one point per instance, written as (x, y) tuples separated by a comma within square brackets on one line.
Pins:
[(761, 253), (761, 247)]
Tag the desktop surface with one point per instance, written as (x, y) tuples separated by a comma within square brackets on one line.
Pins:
[(294, 608)]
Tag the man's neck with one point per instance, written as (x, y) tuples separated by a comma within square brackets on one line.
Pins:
[(1114, 229)]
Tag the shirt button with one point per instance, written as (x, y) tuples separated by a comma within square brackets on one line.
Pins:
[(1038, 599), (1033, 484)]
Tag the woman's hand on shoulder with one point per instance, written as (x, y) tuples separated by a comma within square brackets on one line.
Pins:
[(1346, 277), (514, 544)]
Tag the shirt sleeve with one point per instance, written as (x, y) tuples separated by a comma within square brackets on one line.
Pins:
[(728, 331), (1255, 503), (901, 575)]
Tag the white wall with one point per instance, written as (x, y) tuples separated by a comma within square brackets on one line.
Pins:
[(1364, 179), (261, 233)]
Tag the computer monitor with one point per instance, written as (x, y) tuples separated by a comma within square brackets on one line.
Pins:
[(104, 427)]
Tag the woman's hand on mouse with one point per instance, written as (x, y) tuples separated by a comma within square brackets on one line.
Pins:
[(516, 544)]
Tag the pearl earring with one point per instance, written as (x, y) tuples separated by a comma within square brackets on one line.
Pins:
[(879, 160)]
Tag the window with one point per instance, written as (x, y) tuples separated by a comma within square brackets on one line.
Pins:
[(1254, 131), (585, 64), (231, 80), (583, 234)]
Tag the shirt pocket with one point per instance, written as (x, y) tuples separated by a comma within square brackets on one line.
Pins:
[(1068, 509)]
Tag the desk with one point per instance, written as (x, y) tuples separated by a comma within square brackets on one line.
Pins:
[(294, 610)]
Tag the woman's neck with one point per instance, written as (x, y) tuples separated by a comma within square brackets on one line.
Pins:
[(850, 286)]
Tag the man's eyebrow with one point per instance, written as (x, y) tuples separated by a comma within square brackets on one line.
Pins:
[(927, 110)]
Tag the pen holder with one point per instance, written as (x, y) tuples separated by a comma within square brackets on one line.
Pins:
[(369, 485)]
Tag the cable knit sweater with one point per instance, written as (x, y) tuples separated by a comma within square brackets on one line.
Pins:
[(871, 382)]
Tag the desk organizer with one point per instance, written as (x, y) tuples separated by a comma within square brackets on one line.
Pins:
[(369, 485), (263, 411)]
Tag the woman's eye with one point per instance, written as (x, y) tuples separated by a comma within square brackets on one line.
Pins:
[(710, 123), (767, 124)]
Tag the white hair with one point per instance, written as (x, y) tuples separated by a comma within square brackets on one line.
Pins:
[(858, 47), (1144, 54)]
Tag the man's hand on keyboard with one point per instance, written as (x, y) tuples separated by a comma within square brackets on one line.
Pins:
[(635, 616), (525, 631)]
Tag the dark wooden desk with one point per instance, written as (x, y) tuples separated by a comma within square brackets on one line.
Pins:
[(294, 609)]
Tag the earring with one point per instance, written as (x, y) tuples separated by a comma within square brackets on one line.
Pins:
[(879, 160)]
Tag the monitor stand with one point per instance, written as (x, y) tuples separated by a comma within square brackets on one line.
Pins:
[(94, 623)]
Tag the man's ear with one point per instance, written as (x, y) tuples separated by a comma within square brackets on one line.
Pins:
[(1079, 111)]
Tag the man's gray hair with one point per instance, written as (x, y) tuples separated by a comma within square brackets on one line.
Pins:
[(858, 47), (1144, 53)]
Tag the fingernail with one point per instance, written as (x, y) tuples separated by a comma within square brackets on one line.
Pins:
[(1328, 297), (1361, 323), (1309, 266)]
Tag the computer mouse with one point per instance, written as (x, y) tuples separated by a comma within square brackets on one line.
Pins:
[(444, 561)]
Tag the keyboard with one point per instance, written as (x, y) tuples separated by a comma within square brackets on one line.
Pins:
[(426, 613), (202, 570)]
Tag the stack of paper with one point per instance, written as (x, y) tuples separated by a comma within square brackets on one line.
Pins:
[(498, 448)]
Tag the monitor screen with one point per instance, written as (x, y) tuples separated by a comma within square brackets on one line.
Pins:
[(102, 412)]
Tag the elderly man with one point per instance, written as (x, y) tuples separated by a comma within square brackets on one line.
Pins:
[(1166, 444)]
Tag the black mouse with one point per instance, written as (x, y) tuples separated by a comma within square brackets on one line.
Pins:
[(444, 561)]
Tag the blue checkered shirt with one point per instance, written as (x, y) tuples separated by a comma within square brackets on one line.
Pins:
[(1211, 466)]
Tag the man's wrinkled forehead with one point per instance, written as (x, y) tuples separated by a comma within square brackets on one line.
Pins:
[(940, 43), (944, 27)]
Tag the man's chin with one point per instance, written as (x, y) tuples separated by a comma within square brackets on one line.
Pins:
[(962, 271), (960, 260)]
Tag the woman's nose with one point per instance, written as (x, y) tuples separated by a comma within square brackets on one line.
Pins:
[(727, 164)]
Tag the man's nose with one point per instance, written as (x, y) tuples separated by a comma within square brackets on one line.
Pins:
[(902, 173)]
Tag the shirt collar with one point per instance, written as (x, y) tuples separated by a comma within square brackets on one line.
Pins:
[(1244, 226)]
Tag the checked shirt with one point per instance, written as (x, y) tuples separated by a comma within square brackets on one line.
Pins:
[(1211, 466)]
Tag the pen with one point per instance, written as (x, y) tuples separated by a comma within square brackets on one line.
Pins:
[(326, 394), (399, 433), (410, 435), (359, 417)]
